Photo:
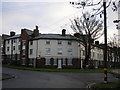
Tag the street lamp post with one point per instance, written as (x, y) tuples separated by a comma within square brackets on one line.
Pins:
[(105, 41)]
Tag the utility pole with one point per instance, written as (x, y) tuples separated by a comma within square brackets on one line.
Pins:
[(105, 41)]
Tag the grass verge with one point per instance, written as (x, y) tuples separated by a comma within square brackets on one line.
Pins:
[(52, 70), (108, 85)]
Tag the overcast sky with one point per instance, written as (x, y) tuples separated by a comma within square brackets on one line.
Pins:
[(50, 15)]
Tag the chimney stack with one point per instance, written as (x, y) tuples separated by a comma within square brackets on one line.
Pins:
[(63, 32), (12, 33), (36, 27), (97, 42), (36, 31)]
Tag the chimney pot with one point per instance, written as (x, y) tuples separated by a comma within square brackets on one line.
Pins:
[(36, 27), (12, 33), (63, 32), (97, 42)]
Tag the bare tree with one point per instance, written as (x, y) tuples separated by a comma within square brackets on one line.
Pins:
[(89, 29)]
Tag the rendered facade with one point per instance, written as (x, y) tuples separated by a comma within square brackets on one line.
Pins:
[(30, 48)]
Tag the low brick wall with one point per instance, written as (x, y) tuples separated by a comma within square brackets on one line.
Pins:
[(41, 63)]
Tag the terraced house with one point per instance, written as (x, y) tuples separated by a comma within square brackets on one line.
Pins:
[(33, 49)]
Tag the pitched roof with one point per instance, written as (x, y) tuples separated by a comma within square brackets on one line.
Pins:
[(29, 32), (55, 36), (4, 36), (13, 37)]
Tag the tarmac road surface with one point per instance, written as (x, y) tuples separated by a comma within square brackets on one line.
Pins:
[(37, 79)]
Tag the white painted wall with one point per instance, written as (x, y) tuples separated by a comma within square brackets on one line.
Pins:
[(16, 44), (77, 50), (40, 49), (98, 54)]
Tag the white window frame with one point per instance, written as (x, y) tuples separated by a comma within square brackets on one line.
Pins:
[(63, 61), (70, 52), (60, 51), (8, 49), (83, 52), (8, 41), (19, 47), (69, 42), (24, 52), (13, 47), (69, 62), (55, 61), (47, 61), (31, 51), (47, 51), (59, 42), (31, 42), (47, 42), (14, 40)]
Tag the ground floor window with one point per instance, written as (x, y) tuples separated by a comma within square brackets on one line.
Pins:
[(69, 61), (64, 61), (55, 61), (47, 61)]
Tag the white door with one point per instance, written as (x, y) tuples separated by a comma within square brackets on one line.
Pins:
[(59, 64)]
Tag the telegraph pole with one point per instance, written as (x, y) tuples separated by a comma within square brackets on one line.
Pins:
[(105, 41)]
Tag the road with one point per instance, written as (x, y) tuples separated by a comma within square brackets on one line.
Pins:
[(37, 79)]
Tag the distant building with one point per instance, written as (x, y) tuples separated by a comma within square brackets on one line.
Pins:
[(2, 45)]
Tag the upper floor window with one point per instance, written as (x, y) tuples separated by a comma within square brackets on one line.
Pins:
[(83, 53), (7, 48), (23, 42), (13, 47), (14, 40), (69, 42), (19, 40), (48, 42), (59, 42), (69, 51), (47, 51), (31, 51), (60, 51), (18, 47), (31, 42), (8, 41), (23, 51)]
